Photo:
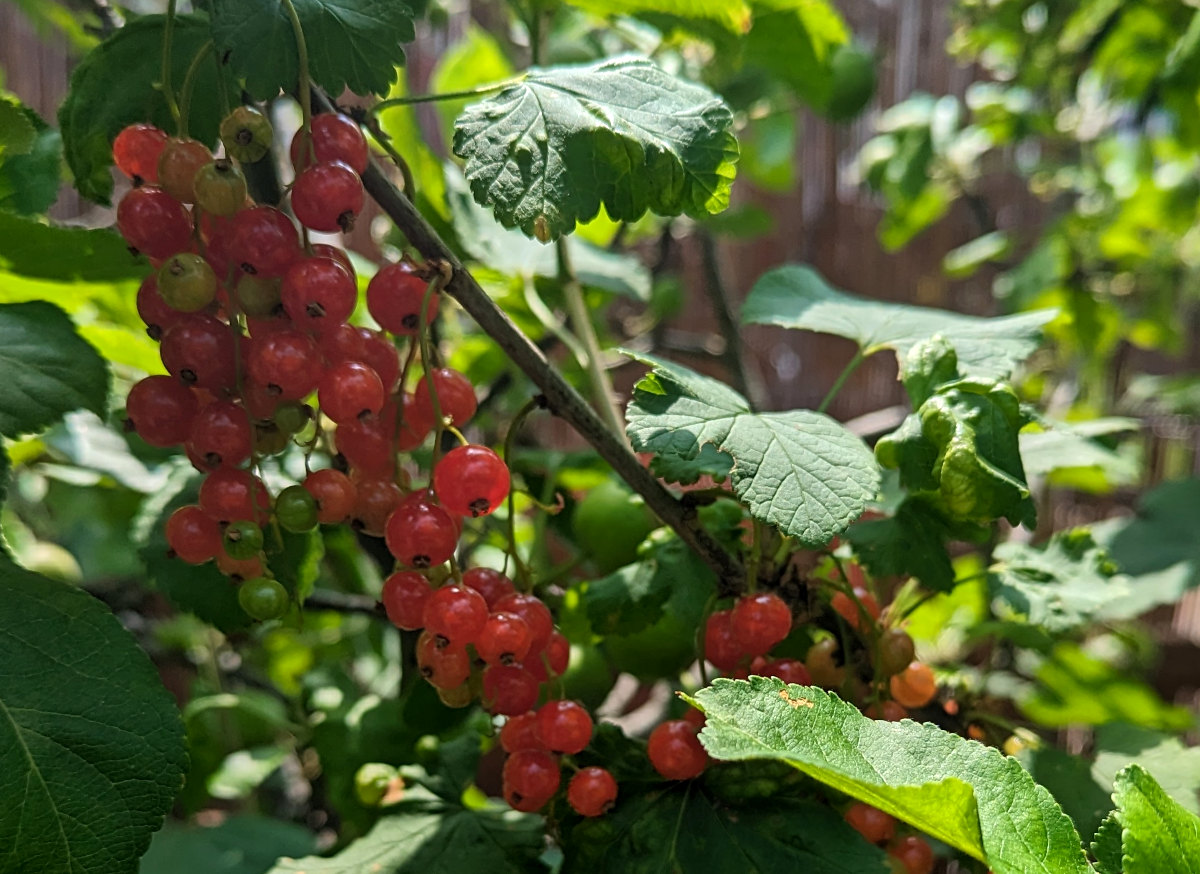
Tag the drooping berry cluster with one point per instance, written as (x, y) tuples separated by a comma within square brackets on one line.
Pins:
[(252, 321)]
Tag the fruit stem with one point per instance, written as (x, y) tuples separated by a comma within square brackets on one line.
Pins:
[(581, 322), (189, 81), (410, 99), (371, 123), (755, 559), (434, 287), (851, 366), (523, 577), (303, 93), (165, 84)]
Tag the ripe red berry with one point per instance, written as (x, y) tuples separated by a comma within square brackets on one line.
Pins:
[(375, 499), (200, 350), (760, 621), (520, 733), (154, 310), (229, 495), (178, 164), (394, 298), (790, 671), (221, 434), (325, 250), (161, 410), (350, 391), (372, 348), (535, 613), (445, 667), (913, 853), (504, 640), (844, 605), (404, 597), (239, 568), (421, 534), (153, 222), (334, 493), (531, 778), (455, 394), (508, 690), (592, 792), (552, 660), (564, 726), (721, 648), (870, 822), (328, 196), (889, 711), (334, 138), (915, 686), (136, 151), (471, 480), (455, 614), (262, 241), (318, 293), (286, 362), (493, 585), (675, 752), (193, 535), (367, 445)]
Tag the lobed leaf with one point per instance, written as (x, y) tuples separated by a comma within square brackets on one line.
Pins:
[(959, 791), (1157, 835), (546, 153)]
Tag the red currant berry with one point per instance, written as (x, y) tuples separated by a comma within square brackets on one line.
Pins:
[(350, 391), (325, 250), (564, 726), (913, 853), (844, 605), (889, 711), (552, 660), (177, 167), (445, 667), (721, 648), (870, 822), (187, 282), (508, 690), (136, 151), (367, 445), (535, 613), (915, 686), (456, 615), (395, 296), (221, 434), (153, 222), (421, 534), (455, 394), (193, 535), (228, 495), (372, 348), (412, 433), (790, 671), (374, 501), (675, 752), (334, 138), (239, 568), (760, 621), (404, 597), (286, 362), (153, 309), (327, 197), (318, 293), (334, 493), (471, 480), (263, 241), (200, 351), (493, 585), (895, 651), (504, 640), (161, 410), (531, 778), (520, 733), (592, 792), (220, 188)]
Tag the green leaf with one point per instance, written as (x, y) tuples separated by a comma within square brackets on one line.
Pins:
[(961, 792), (242, 844), (632, 598), (1069, 778), (297, 561), (426, 836), (353, 44), (910, 543), (91, 745), (969, 257), (796, 296), (800, 471), (29, 181), (38, 250), (1157, 835), (1058, 587), (1106, 846), (794, 40), (1072, 446), (708, 462), (731, 17), (48, 370), (475, 60), (545, 154), (16, 132), (683, 827), (1175, 766), (114, 86)]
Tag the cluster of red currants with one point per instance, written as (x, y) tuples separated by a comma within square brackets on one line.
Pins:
[(484, 639), (252, 323), (910, 854)]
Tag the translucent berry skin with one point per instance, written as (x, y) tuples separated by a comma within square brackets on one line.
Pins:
[(504, 640), (508, 690), (456, 398), (592, 792), (471, 480), (153, 222), (760, 621), (246, 134), (263, 241), (421, 535), (372, 348), (790, 671), (394, 298), (193, 535), (456, 615), (530, 779), (327, 197), (318, 293), (376, 498), (334, 493), (161, 410), (913, 853), (178, 165), (535, 613), (199, 350), (221, 434), (445, 667), (228, 494), (492, 584), (242, 540), (287, 362), (136, 151), (564, 726), (721, 648), (368, 445), (915, 686), (870, 822), (263, 598), (239, 568), (296, 510), (404, 597), (675, 751), (350, 391), (552, 660), (187, 282), (220, 188), (154, 310), (334, 138), (520, 733)]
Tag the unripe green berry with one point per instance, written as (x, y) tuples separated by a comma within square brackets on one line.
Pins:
[(372, 781), (187, 283), (296, 510), (243, 539), (220, 188), (246, 134), (263, 598)]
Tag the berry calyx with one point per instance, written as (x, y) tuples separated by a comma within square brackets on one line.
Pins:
[(246, 134), (675, 752), (471, 480), (445, 667), (592, 792), (564, 726)]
